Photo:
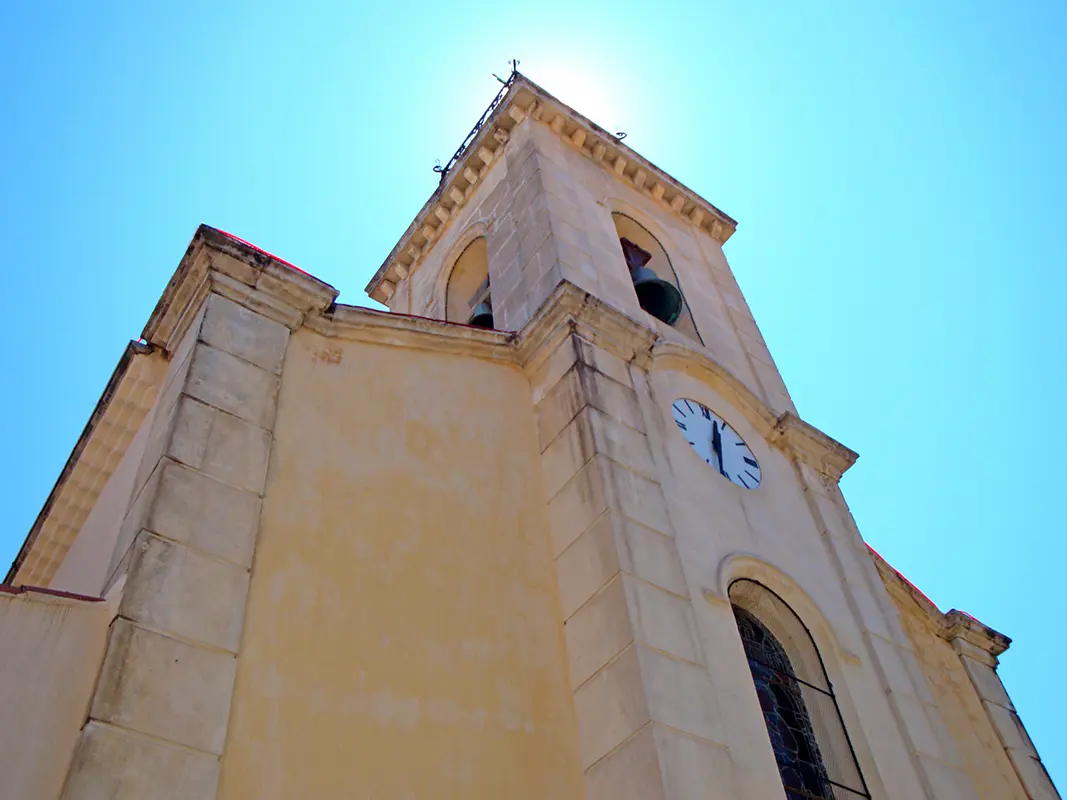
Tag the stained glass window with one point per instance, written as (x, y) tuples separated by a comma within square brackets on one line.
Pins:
[(815, 758)]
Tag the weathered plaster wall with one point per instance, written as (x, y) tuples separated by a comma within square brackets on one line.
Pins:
[(988, 766), (53, 647), (87, 564), (403, 634)]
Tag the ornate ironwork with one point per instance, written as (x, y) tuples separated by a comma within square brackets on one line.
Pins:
[(443, 171)]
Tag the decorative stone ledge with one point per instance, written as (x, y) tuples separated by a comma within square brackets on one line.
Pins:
[(127, 398), (961, 626), (528, 101), (214, 261), (958, 628), (813, 447), (218, 263), (355, 323)]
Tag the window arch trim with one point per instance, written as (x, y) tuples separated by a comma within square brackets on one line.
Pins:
[(478, 229), (820, 738)]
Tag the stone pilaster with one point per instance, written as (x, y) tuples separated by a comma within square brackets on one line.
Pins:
[(158, 718), (934, 758), (978, 647), (645, 709)]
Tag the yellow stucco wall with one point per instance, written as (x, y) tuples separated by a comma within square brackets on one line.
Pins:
[(53, 647), (980, 748), (402, 637)]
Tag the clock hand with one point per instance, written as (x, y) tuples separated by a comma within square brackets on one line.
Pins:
[(716, 445)]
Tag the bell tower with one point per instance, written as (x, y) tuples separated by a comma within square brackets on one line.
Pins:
[(728, 633), (550, 529)]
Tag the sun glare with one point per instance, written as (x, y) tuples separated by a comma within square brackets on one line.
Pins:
[(585, 92)]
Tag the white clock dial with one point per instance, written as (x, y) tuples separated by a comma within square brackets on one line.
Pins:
[(719, 445)]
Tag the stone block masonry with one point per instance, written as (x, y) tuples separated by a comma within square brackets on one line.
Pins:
[(647, 721), (158, 719)]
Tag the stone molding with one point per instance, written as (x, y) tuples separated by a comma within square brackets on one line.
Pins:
[(168, 673), (958, 628), (528, 101), (126, 401), (961, 626), (354, 323), (217, 263), (812, 447)]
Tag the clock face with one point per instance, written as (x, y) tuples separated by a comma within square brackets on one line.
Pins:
[(716, 442)]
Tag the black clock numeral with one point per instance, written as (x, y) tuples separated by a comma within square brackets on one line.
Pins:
[(705, 413), (754, 477), (679, 409), (687, 405), (750, 462), (743, 483), (739, 444), (681, 425)]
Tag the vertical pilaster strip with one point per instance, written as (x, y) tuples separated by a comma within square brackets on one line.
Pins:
[(158, 718), (930, 747), (980, 663), (647, 721)]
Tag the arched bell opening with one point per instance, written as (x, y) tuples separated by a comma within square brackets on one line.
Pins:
[(468, 298), (655, 282)]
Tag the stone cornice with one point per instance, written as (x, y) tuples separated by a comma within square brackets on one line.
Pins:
[(355, 323), (572, 309), (218, 261), (958, 628), (127, 398), (677, 356), (214, 261), (961, 626), (813, 447), (528, 101), (786, 431)]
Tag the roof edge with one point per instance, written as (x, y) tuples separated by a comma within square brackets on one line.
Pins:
[(527, 100), (110, 390), (952, 625)]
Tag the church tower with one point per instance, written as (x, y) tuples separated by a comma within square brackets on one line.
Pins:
[(551, 528)]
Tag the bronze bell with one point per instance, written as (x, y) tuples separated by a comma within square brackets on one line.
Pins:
[(482, 316), (658, 297)]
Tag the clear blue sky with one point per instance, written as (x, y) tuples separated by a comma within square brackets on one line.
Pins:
[(900, 178)]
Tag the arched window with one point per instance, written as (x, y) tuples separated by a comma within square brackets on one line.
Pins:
[(814, 755), (641, 249), (467, 298)]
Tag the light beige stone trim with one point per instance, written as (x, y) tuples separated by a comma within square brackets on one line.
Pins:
[(218, 262), (474, 231), (214, 262), (353, 323), (643, 698), (167, 680), (528, 101), (122, 408), (261, 287), (979, 648)]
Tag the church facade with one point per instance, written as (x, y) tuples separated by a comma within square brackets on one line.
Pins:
[(550, 528)]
